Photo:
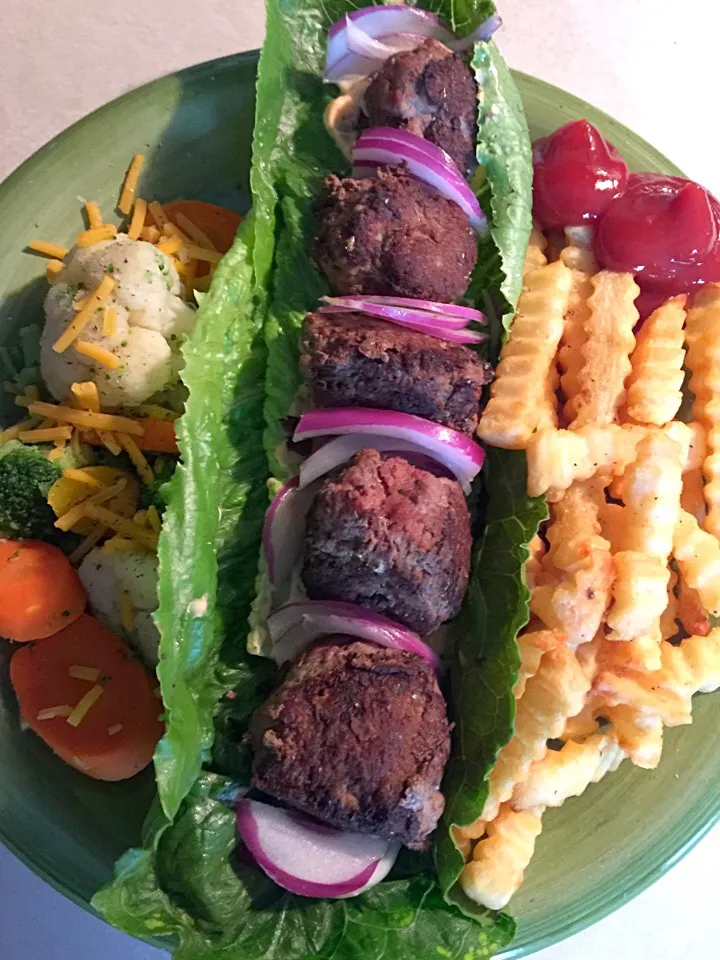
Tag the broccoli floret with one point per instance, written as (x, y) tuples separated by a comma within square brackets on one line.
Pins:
[(152, 493), (26, 475)]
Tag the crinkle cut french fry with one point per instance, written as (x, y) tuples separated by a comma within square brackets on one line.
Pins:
[(568, 772), (583, 725), (556, 458), (573, 521), (640, 735), (697, 554), (578, 256), (533, 644), (534, 562), (609, 341), (639, 594), (547, 415), (499, 861), (518, 390), (653, 389), (556, 692), (701, 655), (703, 361), (613, 523), (535, 256)]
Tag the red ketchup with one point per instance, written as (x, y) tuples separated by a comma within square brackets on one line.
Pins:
[(664, 230), (577, 173)]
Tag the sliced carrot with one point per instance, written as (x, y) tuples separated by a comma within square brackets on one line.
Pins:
[(40, 593), (158, 436), (111, 732), (217, 223)]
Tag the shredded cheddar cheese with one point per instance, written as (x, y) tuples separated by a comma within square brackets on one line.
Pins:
[(170, 246), (50, 713), (154, 518), (172, 230), (190, 274), (92, 210), (87, 419), (21, 400), (48, 249), (98, 354), (82, 318), (45, 435), (179, 265), (82, 476), (55, 453), (90, 541), (85, 705), (200, 253), (140, 518), (127, 194), (150, 234), (119, 544), (115, 728), (52, 269), (137, 457), (86, 394), (110, 443), (67, 520), (158, 214), (76, 444), (109, 322), (194, 232), (91, 674), (127, 614), (123, 526), (88, 238), (137, 221)]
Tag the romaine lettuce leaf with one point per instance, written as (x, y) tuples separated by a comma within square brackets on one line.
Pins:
[(210, 536), (486, 660)]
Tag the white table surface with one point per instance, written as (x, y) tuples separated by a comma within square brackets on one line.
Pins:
[(651, 63)]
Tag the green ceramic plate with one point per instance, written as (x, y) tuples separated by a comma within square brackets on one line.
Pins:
[(596, 852)]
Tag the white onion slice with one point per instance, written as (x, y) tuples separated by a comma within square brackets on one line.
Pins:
[(461, 455), (310, 859), (294, 626)]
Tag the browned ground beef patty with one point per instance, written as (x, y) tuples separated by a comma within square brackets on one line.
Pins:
[(390, 537), (353, 360), (356, 735), (428, 91), (393, 236)]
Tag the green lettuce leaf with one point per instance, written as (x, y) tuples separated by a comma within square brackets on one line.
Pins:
[(211, 527), (192, 886), (486, 660)]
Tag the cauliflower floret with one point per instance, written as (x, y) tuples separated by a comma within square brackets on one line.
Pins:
[(151, 322), (106, 576)]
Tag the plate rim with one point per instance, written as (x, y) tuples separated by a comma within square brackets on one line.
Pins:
[(559, 932)]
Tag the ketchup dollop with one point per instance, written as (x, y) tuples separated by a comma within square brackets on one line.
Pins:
[(577, 173), (664, 230)]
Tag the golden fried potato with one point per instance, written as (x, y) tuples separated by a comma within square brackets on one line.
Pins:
[(653, 388), (692, 497), (653, 483), (583, 724), (690, 611), (639, 594), (568, 772), (640, 735), (537, 245), (698, 558), (578, 256), (556, 692), (609, 341), (670, 615), (532, 645), (519, 388), (498, 865)]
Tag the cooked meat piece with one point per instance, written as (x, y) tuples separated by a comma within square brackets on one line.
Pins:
[(356, 735), (390, 537), (430, 92), (393, 236), (353, 360)]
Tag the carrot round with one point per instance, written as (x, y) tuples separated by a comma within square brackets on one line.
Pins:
[(217, 223), (116, 736), (40, 593)]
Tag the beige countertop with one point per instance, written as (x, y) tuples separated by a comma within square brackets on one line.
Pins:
[(650, 63)]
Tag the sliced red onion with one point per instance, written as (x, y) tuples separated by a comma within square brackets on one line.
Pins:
[(462, 456), (484, 32), (284, 529), (341, 449), (395, 28), (432, 306), (424, 162), (433, 326), (309, 859), (295, 626), (380, 307)]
